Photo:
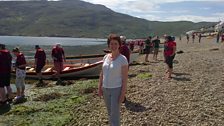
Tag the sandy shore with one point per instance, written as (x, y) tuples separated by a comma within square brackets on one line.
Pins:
[(195, 95)]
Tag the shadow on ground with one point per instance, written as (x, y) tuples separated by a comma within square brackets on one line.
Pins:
[(181, 78), (134, 107), (4, 109), (180, 74)]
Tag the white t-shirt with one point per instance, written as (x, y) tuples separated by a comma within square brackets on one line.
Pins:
[(112, 71)]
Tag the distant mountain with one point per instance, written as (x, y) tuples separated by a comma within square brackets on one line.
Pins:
[(76, 18)]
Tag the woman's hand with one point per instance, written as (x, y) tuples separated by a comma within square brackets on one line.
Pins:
[(121, 99), (100, 92)]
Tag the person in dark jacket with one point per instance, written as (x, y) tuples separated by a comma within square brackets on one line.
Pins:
[(40, 60), (5, 71)]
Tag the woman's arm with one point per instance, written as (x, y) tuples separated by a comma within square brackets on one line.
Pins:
[(174, 50), (23, 65), (124, 71), (100, 92)]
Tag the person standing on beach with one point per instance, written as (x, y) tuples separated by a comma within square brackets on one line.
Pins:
[(141, 46), (132, 45), (218, 37), (147, 48), (58, 56), (124, 50), (222, 37), (20, 73), (187, 37), (169, 54), (5, 75), (113, 79), (156, 43), (40, 60), (193, 37), (199, 38)]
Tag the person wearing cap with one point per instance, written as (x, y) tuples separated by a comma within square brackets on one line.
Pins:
[(40, 60), (124, 50), (5, 71), (20, 73), (169, 54), (58, 56)]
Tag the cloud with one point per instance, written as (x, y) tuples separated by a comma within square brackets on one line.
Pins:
[(192, 18), (205, 8), (154, 9), (167, 10)]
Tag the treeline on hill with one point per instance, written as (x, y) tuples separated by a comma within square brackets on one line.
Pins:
[(76, 18)]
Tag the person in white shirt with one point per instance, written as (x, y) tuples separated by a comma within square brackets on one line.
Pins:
[(113, 79)]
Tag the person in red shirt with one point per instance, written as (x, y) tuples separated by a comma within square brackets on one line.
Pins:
[(58, 56), (169, 54), (40, 60), (20, 73), (5, 71), (222, 37), (124, 50)]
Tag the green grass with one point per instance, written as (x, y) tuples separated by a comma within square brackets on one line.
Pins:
[(52, 112), (144, 75)]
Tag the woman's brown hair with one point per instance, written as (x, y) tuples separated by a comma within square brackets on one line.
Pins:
[(16, 49), (113, 37)]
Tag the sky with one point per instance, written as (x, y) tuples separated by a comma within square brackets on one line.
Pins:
[(168, 10)]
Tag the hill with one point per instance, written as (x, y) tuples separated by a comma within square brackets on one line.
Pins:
[(76, 18)]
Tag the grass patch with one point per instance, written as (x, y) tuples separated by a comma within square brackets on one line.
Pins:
[(144, 75), (22, 110), (52, 106), (48, 97)]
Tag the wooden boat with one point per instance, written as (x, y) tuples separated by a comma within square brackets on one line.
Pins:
[(74, 67), (69, 71)]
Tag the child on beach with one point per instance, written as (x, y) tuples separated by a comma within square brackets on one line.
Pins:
[(20, 73)]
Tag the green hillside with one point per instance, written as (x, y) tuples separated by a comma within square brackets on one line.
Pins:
[(76, 18)]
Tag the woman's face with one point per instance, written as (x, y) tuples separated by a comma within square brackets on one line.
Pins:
[(15, 53), (166, 39), (114, 45)]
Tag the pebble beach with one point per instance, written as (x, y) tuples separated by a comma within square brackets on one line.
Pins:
[(193, 97)]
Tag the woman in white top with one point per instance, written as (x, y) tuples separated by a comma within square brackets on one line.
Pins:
[(113, 79)]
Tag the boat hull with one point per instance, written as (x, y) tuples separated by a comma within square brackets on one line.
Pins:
[(89, 70)]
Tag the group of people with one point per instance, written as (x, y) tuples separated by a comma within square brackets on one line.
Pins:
[(193, 37), (5, 73), (151, 45), (220, 35), (114, 75), (20, 70)]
